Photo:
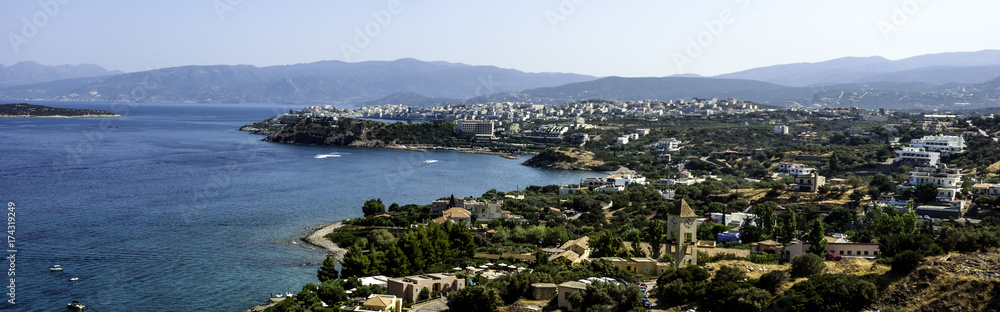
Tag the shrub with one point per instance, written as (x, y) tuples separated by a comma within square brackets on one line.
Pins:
[(761, 257), (906, 261), (806, 265), (772, 281)]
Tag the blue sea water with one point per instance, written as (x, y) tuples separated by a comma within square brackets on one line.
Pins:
[(169, 208)]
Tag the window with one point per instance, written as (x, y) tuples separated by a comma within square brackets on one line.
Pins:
[(841, 252), (647, 270), (848, 252), (866, 252), (687, 237)]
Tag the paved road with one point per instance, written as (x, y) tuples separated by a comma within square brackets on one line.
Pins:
[(440, 304)]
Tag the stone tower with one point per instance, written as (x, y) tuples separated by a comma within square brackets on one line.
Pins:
[(682, 234)]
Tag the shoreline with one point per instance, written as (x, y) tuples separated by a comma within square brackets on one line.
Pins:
[(317, 238)]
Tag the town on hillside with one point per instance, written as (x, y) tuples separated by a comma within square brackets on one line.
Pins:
[(703, 205)]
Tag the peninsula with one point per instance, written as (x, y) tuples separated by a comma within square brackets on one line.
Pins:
[(31, 110)]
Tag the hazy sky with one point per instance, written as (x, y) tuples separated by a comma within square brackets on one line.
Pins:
[(601, 38)]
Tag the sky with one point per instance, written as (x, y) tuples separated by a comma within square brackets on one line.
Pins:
[(599, 38)]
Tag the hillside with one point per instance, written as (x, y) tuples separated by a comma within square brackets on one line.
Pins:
[(954, 67), (565, 159), (30, 72), (954, 282), (360, 133), (663, 88), (325, 82)]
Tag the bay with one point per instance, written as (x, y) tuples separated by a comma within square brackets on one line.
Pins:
[(169, 208)]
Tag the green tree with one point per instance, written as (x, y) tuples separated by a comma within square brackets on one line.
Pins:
[(806, 265), (772, 281), (424, 294), (654, 235), (328, 270), (834, 163), (788, 229), (477, 298), (830, 292), (925, 193), (817, 238), (373, 207), (356, 262), (332, 292), (882, 183), (906, 261), (765, 217), (607, 244), (541, 258)]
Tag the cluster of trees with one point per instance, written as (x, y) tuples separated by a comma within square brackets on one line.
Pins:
[(345, 131), (530, 235), (505, 290), (434, 248), (731, 289), (332, 292)]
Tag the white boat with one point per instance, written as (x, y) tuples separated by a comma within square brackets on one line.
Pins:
[(75, 305), (73, 279), (288, 295), (321, 156), (55, 268), (430, 161)]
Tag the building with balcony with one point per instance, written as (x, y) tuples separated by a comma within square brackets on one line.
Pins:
[(946, 145), (918, 156)]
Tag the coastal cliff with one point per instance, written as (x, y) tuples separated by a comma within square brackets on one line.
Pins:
[(565, 159), (356, 132)]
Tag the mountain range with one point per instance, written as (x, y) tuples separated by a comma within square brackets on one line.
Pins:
[(28, 72), (933, 81)]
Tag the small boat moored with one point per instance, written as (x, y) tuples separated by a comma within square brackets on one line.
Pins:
[(73, 279), (55, 268), (75, 306)]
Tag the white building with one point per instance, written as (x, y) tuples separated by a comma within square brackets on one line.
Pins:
[(944, 144), (642, 132), (782, 129), (625, 179), (622, 140), (918, 156), (948, 181), (485, 211), (795, 169), (734, 219), (670, 145)]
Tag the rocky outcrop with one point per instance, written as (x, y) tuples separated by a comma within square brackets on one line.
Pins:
[(565, 159), (356, 132)]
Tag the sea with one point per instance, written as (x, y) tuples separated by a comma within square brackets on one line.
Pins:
[(170, 208)]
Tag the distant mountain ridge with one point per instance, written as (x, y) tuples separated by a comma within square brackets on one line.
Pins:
[(29, 72), (935, 81), (325, 82), (958, 67)]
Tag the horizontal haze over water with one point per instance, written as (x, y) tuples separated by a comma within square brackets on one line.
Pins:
[(169, 208)]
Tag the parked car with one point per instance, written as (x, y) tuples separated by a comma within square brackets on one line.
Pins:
[(647, 303)]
